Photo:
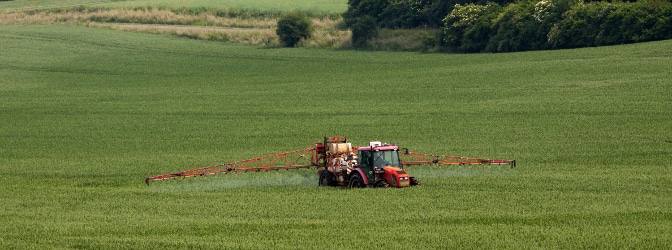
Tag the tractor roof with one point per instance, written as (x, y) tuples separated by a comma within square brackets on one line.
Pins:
[(379, 148)]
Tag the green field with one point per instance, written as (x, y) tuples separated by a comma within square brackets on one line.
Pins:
[(86, 114), (333, 6)]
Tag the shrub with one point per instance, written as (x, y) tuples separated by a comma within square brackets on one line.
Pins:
[(363, 29), (361, 8), (518, 27), (467, 28), (604, 23), (292, 27)]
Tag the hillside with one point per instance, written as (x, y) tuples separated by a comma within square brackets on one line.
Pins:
[(87, 113)]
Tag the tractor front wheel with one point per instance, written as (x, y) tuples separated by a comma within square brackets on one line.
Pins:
[(326, 179), (382, 184), (415, 182), (356, 181)]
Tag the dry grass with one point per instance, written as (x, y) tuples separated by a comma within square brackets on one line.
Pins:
[(403, 40), (150, 16), (265, 37), (206, 26), (328, 39)]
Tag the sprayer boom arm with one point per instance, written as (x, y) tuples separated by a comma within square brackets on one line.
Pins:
[(413, 158), (297, 159)]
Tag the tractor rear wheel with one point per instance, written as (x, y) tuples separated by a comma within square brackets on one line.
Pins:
[(356, 181), (326, 179)]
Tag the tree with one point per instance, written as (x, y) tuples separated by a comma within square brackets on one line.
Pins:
[(361, 8), (363, 30), (292, 27), (518, 28), (468, 27)]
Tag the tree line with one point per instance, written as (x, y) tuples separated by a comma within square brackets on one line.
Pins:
[(515, 25)]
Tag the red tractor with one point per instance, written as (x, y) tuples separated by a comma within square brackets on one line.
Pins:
[(376, 165)]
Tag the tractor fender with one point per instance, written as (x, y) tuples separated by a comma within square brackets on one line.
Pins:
[(361, 173)]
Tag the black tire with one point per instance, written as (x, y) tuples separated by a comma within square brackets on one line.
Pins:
[(356, 181), (326, 179), (382, 184), (415, 182)]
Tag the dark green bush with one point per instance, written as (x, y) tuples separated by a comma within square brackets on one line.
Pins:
[(468, 27), (407, 13), (292, 27), (363, 8), (603, 23), (517, 29), (363, 29)]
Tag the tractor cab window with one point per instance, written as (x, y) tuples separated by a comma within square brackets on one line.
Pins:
[(386, 158), (364, 157)]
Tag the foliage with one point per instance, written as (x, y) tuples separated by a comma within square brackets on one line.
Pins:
[(547, 24), (519, 27), (582, 24), (406, 13), (363, 8), (608, 24), (524, 24), (292, 27), (470, 26), (364, 29)]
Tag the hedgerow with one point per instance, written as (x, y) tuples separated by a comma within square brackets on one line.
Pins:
[(504, 25), (555, 24)]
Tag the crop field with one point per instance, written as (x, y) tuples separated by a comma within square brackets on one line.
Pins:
[(86, 114), (333, 6)]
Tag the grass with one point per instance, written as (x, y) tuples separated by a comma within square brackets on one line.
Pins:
[(87, 114), (233, 22), (329, 6), (243, 22)]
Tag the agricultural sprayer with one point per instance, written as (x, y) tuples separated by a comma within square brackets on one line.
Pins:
[(341, 164)]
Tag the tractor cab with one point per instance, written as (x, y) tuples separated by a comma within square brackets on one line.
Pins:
[(380, 163)]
